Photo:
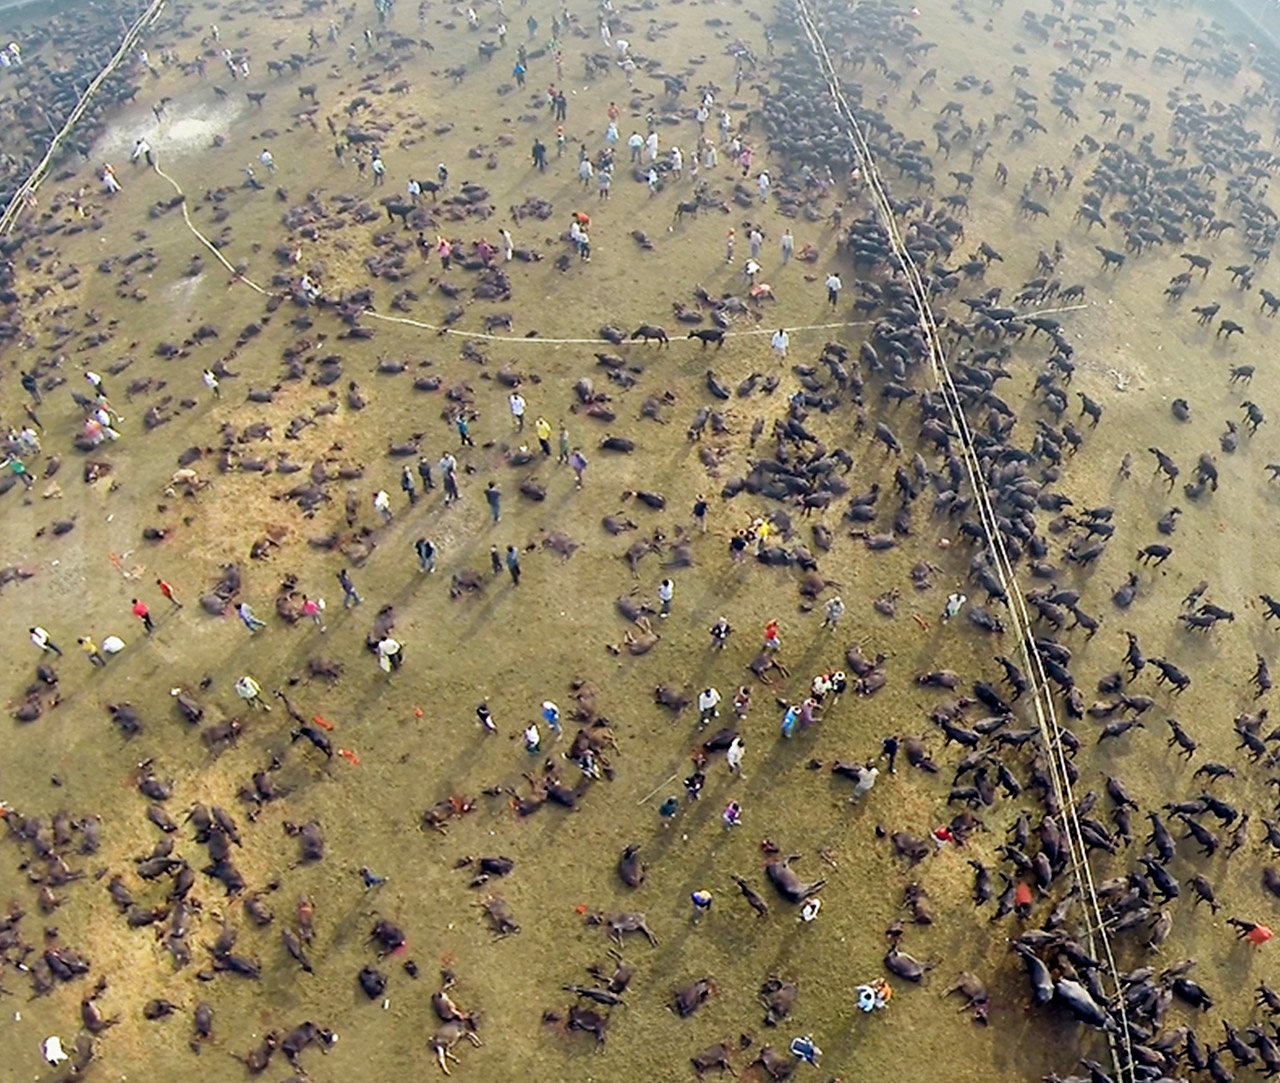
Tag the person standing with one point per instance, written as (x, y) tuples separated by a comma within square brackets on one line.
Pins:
[(517, 404), (41, 639), (424, 473), (349, 595), (708, 705), (31, 386), (426, 550), (390, 654), (143, 614), (700, 512), (720, 632), (543, 429), (729, 239), (539, 154), (382, 505), (564, 443), (251, 621), (578, 464), (666, 591), (494, 496), (167, 590), (91, 651), (513, 564), (781, 340), (635, 143), (771, 640), (702, 901), (211, 382), (485, 717), (406, 483), (834, 611), (314, 608), (788, 244), (834, 285)]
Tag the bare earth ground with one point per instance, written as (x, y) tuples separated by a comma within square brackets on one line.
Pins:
[(517, 646)]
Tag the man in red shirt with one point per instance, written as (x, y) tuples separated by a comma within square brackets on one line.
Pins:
[(143, 614), (167, 590)]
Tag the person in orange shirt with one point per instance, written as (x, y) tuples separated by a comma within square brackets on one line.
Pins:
[(167, 590), (771, 640)]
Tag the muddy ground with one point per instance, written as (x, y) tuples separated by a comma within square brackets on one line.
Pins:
[(415, 734)]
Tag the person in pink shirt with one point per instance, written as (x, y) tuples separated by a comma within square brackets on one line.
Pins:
[(314, 608)]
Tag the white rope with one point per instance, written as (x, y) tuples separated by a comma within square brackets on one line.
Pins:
[(28, 188), (1041, 697)]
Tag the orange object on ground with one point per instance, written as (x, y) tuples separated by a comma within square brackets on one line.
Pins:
[(1022, 895), (350, 756), (1259, 934), (417, 712), (321, 722)]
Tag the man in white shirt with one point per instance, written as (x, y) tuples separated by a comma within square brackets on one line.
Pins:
[(708, 702), (41, 639), (517, 410), (781, 340), (666, 591), (834, 285), (733, 756)]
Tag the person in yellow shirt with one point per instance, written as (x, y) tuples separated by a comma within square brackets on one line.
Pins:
[(543, 429), (91, 651)]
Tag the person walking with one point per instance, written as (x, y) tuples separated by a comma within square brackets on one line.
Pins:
[(578, 464), (494, 496), (532, 739), (543, 429), (551, 716), (91, 651), (700, 512), (167, 590), (733, 755), (426, 550), (406, 484), (41, 639), (666, 591), (539, 155), (250, 691), (513, 564), (729, 239), (495, 560), (708, 706), (517, 404), (485, 718), (464, 430), (382, 505), (781, 340), (732, 815), (211, 382), (314, 608), (143, 614), (349, 595), (251, 621), (564, 443), (771, 640), (449, 477), (833, 612), (31, 386), (834, 286)]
